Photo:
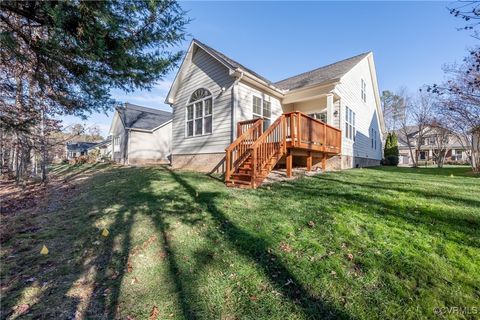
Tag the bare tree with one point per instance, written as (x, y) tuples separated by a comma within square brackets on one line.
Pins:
[(460, 106), (393, 110), (415, 122), (442, 142)]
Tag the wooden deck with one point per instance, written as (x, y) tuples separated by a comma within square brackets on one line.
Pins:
[(251, 157)]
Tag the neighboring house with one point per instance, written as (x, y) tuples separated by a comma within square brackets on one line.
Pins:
[(141, 135), (102, 150), (435, 139), (77, 149), (215, 98)]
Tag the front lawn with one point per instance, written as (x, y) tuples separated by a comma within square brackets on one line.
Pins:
[(382, 243)]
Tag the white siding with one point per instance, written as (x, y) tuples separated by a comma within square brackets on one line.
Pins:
[(366, 115), (244, 102), (118, 151), (204, 72), (150, 146)]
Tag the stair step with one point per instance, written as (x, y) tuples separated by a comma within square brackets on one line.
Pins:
[(239, 184)]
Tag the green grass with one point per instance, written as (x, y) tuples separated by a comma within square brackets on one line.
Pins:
[(383, 243)]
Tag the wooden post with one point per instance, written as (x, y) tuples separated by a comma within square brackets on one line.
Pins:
[(284, 137), (324, 162), (227, 166), (309, 161), (254, 166), (292, 129), (299, 130), (289, 160), (239, 129)]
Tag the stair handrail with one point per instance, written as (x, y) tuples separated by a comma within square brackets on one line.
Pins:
[(252, 133), (260, 163)]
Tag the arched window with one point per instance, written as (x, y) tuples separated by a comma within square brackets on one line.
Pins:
[(199, 113)]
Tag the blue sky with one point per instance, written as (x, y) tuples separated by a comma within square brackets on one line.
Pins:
[(411, 41)]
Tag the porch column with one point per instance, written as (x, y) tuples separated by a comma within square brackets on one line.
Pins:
[(330, 109)]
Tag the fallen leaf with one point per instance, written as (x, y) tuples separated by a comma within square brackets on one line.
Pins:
[(350, 256), (135, 280), (311, 224), (22, 309), (153, 313), (253, 298), (333, 273), (285, 247), (44, 250), (105, 232)]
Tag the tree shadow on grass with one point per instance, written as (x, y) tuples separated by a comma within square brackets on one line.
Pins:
[(257, 249), (72, 280), (439, 222)]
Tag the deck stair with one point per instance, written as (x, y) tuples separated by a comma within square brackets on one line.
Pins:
[(251, 157)]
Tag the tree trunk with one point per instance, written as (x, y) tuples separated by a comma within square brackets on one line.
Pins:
[(43, 149)]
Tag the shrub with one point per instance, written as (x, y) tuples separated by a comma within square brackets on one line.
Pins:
[(391, 160), (391, 154)]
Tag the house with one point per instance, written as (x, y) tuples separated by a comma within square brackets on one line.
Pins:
[(141, 135), (228, 118), (77, 149), (102, 150), (435, 142)]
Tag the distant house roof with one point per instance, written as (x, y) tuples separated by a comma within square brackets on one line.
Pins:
[(102, 143), (411, 131), (80, 146), (138, 117), (320, 75)]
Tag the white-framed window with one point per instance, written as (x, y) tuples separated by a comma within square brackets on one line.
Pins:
[(364, 90), (373, 137), (322, 116), (116, 141), (199, 113), (350, 130), (262, 109)]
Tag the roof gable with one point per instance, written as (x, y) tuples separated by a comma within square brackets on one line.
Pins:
[(143, 118)]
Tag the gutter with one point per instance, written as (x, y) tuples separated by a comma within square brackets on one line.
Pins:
[(234, 105)]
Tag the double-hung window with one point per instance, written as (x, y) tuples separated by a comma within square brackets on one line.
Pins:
[(373, 137), (199, 114), (350, 130), (262, 109), (364, 90)]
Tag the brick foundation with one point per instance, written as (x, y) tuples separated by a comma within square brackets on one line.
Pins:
[(147, 161), (206, 162)]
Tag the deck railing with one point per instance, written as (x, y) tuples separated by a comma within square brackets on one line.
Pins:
[(305, 132), (270, 144), (243, 126), (239, 150)]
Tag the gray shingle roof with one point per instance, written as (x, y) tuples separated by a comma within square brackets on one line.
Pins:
[(323, 74), (80, 146), (138, 117), (228, 61)]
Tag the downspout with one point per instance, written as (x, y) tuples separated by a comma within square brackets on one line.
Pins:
[(234, 108), (128, 147)]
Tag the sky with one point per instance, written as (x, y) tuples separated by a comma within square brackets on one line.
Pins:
[(411, 41)]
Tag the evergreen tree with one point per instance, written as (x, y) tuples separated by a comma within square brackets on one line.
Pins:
[(390, 152), (75, 52)]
